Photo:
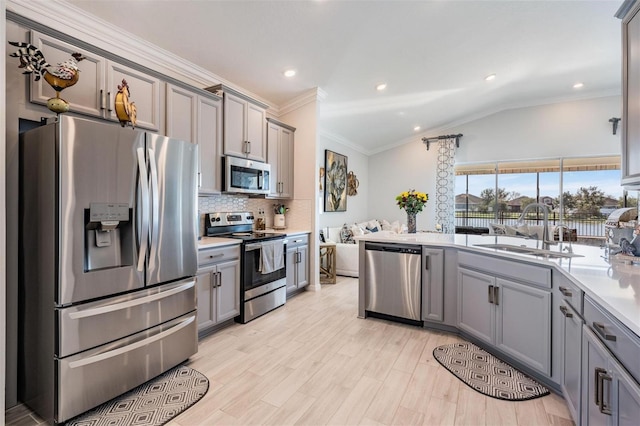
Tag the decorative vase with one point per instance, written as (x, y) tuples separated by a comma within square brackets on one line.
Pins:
[(278, 221), (411, 222)]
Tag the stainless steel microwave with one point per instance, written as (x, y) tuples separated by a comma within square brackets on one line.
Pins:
[(245, 176)]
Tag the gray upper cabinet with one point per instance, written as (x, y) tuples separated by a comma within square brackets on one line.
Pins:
[(196, 118), (280, 157), (94, 93), (244, 133), (631, 98)]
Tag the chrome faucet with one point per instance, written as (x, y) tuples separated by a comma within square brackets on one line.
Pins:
[(545, 222), (560, 229)]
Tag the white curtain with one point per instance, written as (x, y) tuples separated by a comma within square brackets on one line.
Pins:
[(445, 181)]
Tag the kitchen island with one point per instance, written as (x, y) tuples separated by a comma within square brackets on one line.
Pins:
[(610, 282), (564, 313)]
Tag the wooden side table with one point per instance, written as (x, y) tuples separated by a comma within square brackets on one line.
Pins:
[(327, 263)]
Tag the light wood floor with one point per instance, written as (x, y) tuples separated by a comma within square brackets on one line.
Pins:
[(313, 362)]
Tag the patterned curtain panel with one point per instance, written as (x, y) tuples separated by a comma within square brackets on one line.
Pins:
[(445, 197)]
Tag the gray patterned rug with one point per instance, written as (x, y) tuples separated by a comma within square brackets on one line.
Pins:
[(155, 402), (487, 374)]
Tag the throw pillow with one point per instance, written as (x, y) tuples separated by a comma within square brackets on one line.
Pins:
[(346, 236), (374, 229), (386, 226)]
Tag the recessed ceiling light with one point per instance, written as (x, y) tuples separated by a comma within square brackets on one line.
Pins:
[(416, 128), (490, 77), (289, 73), (578, 85), (381, 86)]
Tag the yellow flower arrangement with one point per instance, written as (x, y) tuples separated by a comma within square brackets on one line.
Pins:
[(412, 201)]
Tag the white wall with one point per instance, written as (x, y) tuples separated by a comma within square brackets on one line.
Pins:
[(409, 166), (579, 128), (357, 206), (304, 118)]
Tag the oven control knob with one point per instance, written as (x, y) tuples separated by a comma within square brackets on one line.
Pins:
[(250, 217), (217, 219)]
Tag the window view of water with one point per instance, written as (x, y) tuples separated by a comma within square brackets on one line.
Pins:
[(497, 193)]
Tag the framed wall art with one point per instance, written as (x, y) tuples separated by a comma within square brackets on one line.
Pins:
[(335, 182)]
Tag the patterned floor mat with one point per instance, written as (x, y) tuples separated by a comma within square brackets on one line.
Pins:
[(155, 402), (487, 374)]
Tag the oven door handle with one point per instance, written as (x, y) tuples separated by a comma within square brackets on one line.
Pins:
[(251, 247)]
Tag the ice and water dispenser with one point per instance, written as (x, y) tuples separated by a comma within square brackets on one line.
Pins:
[(108, 236)]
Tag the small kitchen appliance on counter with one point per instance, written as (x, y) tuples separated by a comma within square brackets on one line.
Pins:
[(619, 224), (263, 277)]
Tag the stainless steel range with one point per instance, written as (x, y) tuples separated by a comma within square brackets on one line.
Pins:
[(263, 273)]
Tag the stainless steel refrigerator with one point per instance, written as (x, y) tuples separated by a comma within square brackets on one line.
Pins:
[(108, 256)]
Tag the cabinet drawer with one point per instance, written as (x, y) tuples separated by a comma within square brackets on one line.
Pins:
[(522, 272), (624, 344), (214, 255), (297, 240), (572, 295)]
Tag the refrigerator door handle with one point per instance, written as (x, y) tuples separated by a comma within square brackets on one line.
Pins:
[(155, 202), (130, 303), (133, 346), (143, 210)]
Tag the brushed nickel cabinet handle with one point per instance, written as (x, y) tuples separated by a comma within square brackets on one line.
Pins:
[(599, 378), (109, 102), (101, 98), (490, 294), (565, 291), (426, 262), (496, 295), (565, 312), (599, 328)]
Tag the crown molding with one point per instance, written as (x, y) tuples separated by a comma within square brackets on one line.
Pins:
[(311, 95), (79, 24), (343, 141)]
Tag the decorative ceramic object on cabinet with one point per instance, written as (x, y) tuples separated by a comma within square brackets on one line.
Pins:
[(505, 310), (94, 94), (297, 263), (630, 93), (218, 281), (280, 157), (197, 118), (244, 124)]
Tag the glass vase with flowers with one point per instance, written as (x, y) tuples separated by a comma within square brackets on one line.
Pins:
[(412, 202)]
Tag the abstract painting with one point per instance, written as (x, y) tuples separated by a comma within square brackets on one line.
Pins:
[(335, 182)]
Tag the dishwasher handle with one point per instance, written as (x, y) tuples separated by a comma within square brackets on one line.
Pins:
[(394, 248)]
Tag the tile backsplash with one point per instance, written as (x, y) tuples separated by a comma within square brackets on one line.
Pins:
[(299, 216)]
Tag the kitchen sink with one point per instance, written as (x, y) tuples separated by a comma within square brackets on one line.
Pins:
[(507, 247), (547, 254)]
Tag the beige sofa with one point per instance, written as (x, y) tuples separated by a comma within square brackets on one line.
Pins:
[(347, 252)]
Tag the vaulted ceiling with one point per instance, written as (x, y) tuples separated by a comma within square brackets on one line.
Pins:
[(433, 55)]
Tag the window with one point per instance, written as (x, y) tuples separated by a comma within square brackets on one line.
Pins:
[(499, 192)]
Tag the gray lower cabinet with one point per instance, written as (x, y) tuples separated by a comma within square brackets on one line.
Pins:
[(297, 263), (610, 396), (433, 284), (571, 330), (513, 317), (218, 286)]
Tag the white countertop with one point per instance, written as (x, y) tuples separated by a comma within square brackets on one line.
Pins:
[(210, 242), (611, 283)]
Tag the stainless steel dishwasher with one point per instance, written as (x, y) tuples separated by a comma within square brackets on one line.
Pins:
[(393, 284)]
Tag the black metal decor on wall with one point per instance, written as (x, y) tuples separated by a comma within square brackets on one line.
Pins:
[(335, 182)]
